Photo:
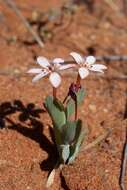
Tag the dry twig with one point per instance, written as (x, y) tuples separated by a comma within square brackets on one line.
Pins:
[(96, 141), (124, 156), (107, 58), (125, 6), (112, 4), (112, 58), (14, 7), (123, 166)]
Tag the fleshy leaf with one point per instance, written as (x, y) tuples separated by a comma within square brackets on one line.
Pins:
[(69, 131), (51, 176), (56, 110), (64, 151), (58, 138), (50, 179), (71, 104), (75, 148)]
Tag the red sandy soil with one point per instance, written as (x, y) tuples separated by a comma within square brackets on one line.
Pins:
[(27, 152)]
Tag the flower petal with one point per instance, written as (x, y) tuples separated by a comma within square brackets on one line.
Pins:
[(98, 67), (55, 79), (43, 61), (90, 60), (77, 57), (67, 66), (58, 61), (34, 70), (39, 76), (83, 72)]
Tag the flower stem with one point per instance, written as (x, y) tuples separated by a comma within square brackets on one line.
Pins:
[(76, 109), (54, 92), (78, 81), (65, 99)]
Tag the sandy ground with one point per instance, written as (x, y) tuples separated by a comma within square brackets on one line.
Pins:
[(27, 152)]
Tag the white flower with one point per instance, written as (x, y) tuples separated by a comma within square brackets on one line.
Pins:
[(84, 65), (49, 68)]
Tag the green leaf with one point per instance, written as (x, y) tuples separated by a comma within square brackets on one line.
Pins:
[(75, 148), (71, 104), (58, 137), (56, 110), (64, 151), (69, 131)]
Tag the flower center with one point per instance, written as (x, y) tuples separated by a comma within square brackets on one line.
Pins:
[(87, 65)]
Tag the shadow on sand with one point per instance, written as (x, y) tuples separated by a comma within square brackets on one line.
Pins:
[(33, 130)]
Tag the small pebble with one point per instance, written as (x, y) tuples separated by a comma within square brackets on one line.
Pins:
[(105, 110), (92, 107), (106, 171)]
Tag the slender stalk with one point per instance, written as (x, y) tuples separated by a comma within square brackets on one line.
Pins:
[(54, 92), (76, 110), (78, 81), (65, 99)]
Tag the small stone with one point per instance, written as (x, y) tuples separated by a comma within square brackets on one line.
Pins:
[(105, 110), (93, 37), (36, 16), (107, 25), (92, 107), (108, 140), (16, 71)]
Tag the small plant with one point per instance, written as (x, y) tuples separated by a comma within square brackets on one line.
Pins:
[(69, 133)]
